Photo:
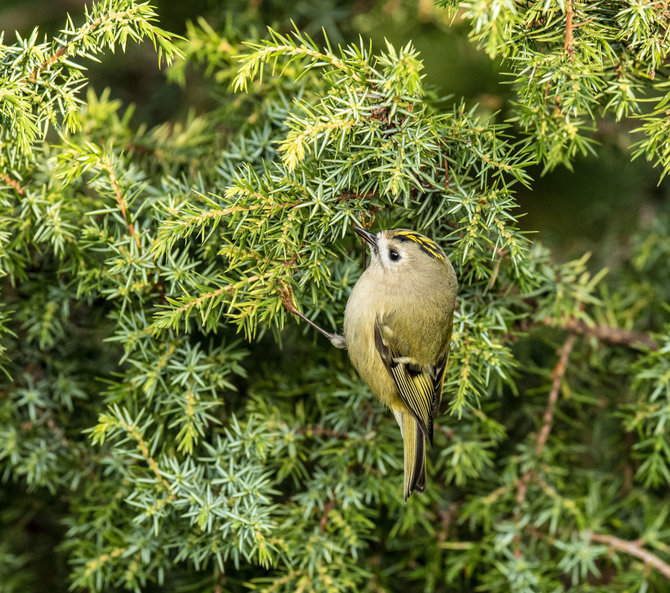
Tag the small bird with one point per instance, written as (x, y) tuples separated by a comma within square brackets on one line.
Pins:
[(397, 329)]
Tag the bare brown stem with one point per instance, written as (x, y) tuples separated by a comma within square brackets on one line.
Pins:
[(633, 549), (557, 378), (324, 518), (605, 333), (547, 419), (522, 488), (496, 269), (15, 185), (120, 200)]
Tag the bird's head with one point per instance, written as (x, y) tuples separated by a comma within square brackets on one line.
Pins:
[(401, 251)]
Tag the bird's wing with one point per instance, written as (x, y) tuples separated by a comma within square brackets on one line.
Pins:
[(419, 387)]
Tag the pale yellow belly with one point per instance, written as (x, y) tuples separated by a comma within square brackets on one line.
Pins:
[(359, 322)]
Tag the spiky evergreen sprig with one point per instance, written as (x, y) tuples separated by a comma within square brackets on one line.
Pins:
[(573, 63), (41, 81)]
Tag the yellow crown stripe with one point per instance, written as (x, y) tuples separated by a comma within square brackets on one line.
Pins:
[(430, 247)]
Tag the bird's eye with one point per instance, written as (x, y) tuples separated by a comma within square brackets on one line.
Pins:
[(394, 255)]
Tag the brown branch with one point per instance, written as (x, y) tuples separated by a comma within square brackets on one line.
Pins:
[(633, 549), (586, 22), (522, 488), (286, 295), (547, 418), (568, 46), (63, 50), (496, 270), (606, 333), (53, 59), (87, 30), (324, 518), (557, 375), (120, 200), (15, 185), (446, 430)]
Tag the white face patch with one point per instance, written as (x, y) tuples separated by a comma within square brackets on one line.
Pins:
[(382, 249), (390, 255)]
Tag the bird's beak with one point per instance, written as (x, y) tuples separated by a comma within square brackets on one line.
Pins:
[(367, 235)]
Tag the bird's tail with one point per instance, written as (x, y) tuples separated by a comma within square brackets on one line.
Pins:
[(414, 448)]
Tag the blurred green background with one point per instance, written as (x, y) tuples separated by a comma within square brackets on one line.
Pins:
[(593, 208)]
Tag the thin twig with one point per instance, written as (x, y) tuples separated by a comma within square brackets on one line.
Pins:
[(547, 418), (605, 333), (568, 46), (496, 269), (521, 489), (633, 549), (586, 22), (120, 200), (151, 462), (324, 518), (15, 185), (56, 57), (557, 375), (86, 30), (221, 581)]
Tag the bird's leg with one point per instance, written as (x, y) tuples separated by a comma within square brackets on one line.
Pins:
[(286, 295), (332, 337)]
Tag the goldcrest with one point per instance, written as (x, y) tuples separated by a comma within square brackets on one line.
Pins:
[(397, 329)]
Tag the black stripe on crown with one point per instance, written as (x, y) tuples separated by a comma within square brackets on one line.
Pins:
[(426, 245)]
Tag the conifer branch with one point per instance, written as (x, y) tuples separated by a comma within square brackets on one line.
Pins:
[(557, 378), (134, 432), (106, 165), (135, 14), (95, 564), (557, 375), (633, 548), (13, 183), (606, 333), (208, 296)]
